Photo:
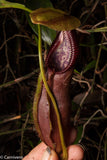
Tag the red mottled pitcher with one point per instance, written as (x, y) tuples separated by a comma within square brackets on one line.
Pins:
[(60, 63)]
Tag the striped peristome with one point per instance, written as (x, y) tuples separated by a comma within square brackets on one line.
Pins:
[(64, 52)]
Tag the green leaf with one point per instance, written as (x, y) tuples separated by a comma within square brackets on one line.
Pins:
[(75, 71), (102, 29), (6, 4), (48, 35), (79, 133), (89, 66), (54, 19)]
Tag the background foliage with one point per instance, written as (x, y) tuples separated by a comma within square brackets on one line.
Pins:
[(19, 70)]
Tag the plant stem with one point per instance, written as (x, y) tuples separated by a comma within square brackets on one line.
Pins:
[(13, 131), (51, 95), (17, 80)]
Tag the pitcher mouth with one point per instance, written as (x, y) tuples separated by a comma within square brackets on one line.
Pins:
[(63, 52)]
